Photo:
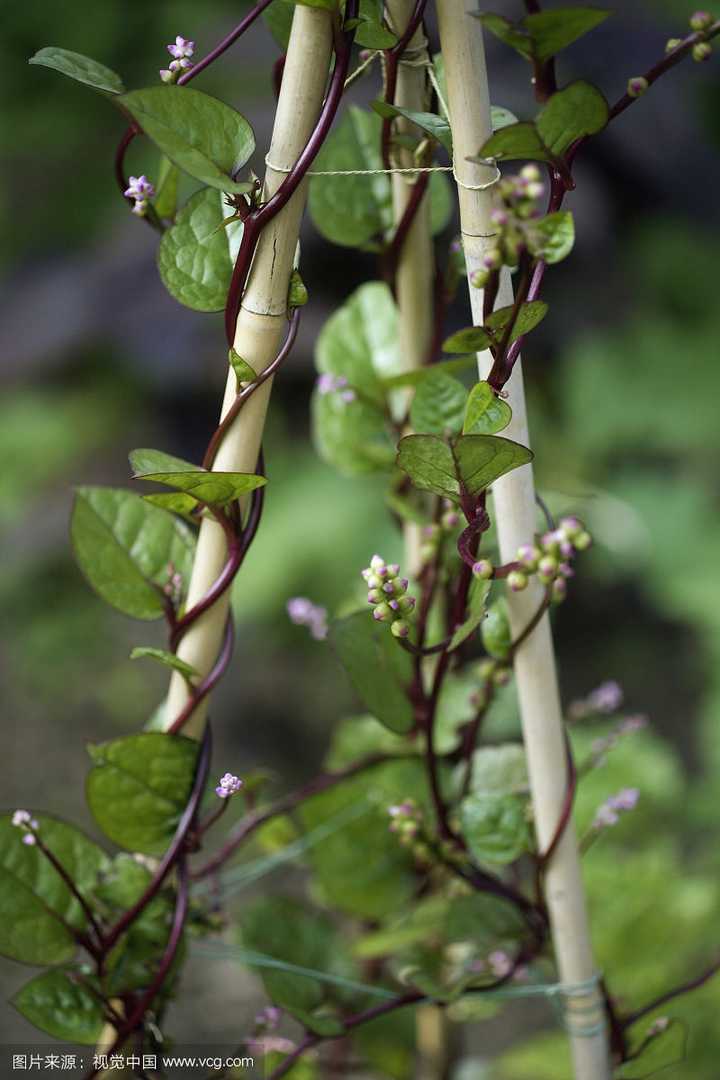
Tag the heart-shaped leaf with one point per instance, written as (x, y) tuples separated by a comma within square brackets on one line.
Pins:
[(204, 137), (435, 126), (378, 669), (468, 467), (528, 317), (59, 1003), (79, 67), (579, 109), (438, 405), (214, 488), (430, 464), (519, 140), (495, 826), (552, 238), (125, 546), (36, 906), (486, 413), (139, 787), (482, 459), (197, 254)]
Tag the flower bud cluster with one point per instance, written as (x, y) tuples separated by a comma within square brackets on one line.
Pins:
[(387, 592), (605, 698), (700, 23), (551, 558), (22, 819), (181, 51), (335, 384), (601, 747), (173, 588), (608, 813), (406, 822), (520, 194), (228, 785), (141, 190)]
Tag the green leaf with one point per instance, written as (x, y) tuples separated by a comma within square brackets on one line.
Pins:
[(278, 19), (499, 770), (482, 459), (435, 126), (475, 613), (419, 375), (429, 463), (169, 659), (56, 1002), (438, 405), (165, 202), (543, 35), (360, 343), (197, 254), (501, 117), (282, 928), (79, 67), (354, 817), (177, 501), (379, 670), (519, 140), (203, 136), (665, 1049), (495, 827), (579, 109), (215, 488), (529, 316), (470, 465), (36, 906), (552, 237), (486, 413), (496, 632), (471, 339), (370, 32), (297, 291), (357, 211), (122, 882), (124, 548), (551, 31), (242, 369), (508, 33), (139, 786)]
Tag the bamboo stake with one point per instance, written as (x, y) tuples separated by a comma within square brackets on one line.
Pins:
[(414, 276), (414, 271), (515, 511), (260, 326)]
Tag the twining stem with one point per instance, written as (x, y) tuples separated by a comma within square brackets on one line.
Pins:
[(262, 314), (514, 506)]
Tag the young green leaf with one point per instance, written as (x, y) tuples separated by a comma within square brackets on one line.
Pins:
[(370, 32), (139, 786), (59, 1003), (506, 32), (419, 375), (482, 459), (551, 238), (529, 316), (36, 906), (79, 67), (242, 369), (352, 436), (124, 548), (204, 137), (552, 31), (297, 291), (378, 669), (485, 413), (472, 339), (495, 826), (197, 254), (438, 405), (499, 770), (435, 126), (430, 464), (579, 109), (214, 488), (475, 613), (519, 140), (278, 19), (164, 657), (177, 501)]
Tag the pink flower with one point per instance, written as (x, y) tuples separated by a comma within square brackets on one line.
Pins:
[(303, 612), (182, 48), (229, 785)]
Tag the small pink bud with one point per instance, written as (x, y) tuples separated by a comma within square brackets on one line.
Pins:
[(637, 86)]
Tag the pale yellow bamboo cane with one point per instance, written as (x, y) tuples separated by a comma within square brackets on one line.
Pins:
[(415, 269), (515, 513), (414, 279), (260, 328)]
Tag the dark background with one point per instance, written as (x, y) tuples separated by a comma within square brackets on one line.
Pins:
[(624, 381)]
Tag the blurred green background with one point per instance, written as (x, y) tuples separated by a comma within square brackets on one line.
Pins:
[(624, 385)]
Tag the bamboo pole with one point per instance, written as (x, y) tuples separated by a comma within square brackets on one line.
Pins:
[(260, 326), (414, 283), (415, 269), (515, 512)]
